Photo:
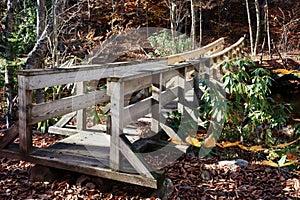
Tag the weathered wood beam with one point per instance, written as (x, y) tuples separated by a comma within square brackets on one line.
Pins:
[(25, 104), (10, 135), (137, 110), (117, 121), (44, 111)]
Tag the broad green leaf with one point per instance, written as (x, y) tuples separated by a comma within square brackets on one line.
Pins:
[(282, 161)]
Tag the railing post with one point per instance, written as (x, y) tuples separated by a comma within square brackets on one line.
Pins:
[(81, 114), (116, 88), (156, 103), (181, 89), (25, 102)]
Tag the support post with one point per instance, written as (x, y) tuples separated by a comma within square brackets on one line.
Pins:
[(181, 89), (81, 114), (25, 103), (117, 112), (156, 103)]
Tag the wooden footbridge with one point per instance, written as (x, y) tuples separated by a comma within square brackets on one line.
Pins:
[(106, 150)]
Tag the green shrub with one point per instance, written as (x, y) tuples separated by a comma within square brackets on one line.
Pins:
[(165, 44), (250, 113)]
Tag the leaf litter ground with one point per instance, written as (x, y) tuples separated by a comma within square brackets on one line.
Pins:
[(192, 177)]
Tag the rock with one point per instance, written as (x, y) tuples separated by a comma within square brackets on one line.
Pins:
[(165, 191), (233, 163), (241, 163), (205, 175), (40, 173), (92, 182)]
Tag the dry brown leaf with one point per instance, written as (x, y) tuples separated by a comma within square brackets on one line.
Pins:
[(210, 141), (193, 141), (285, 144), (269, 163), (176, 141), (252, 148), (228, 144), (291, 156), (284, 71), (289, 163)]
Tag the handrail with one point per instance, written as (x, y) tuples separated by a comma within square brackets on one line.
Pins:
[(30, 80), (197, 53)]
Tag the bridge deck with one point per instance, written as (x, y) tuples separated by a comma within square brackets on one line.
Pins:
[(85, 152)]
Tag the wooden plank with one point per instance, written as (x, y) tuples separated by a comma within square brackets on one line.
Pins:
[(169, 75), (221, 53), (137, 110), (62, 131), (79, 164), (137, 84), (216, 50), (81, 114), (39, 79), (44, 111), (25, 101), (65, 119), (117, 119), (156, 102), (171, 133), (181, 89), (197, 53), (135, 159), (10, 135), (169, 95)]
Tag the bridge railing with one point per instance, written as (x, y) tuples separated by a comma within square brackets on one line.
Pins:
[(30, 80), (122, 80)]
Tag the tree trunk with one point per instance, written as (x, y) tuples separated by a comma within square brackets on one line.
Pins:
[(250, 27), (37, 54), (193, 23), (257, 26), (40, 27), (200, 23), (41, 17), (9, 58), (268, 27), (55, 36), (173, 17), (219, 18)]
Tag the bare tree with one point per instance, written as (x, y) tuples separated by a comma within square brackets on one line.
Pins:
[(40, 27), (37, 54), (176, 17), (254, 45), (250, 27), (9, 58), (268, 26), (257, 11), (55, 35), (41, 17), (200, 23), (193, 26)]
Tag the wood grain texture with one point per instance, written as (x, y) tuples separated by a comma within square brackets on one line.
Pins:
[(25, 104)]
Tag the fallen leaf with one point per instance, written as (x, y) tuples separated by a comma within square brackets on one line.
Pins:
[(252, 148), (285, 144), (228, 144), (210, 141), (176, 141), (193, 141), (284, 71), (291, 157), (269, 163), (289, 163)]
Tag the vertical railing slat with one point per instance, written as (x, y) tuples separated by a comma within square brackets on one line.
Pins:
[(25, 102)]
